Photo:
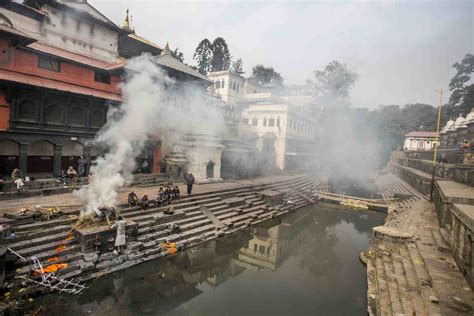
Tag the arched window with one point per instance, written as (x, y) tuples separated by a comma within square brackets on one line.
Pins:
[(271, 122), (223, 84), (218, 84), (54, 114), (27, 111), (77, 116), (97, 119)]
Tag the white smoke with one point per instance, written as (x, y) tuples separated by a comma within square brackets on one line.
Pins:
[(152, 103)]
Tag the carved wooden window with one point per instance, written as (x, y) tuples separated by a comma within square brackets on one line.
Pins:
[(49, 63), (77, 116), (27, 111), (102, 77), (97, 119), (54, 114)]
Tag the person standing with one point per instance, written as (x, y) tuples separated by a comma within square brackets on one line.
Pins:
[(81, 170), (190, 182), (120, 237)]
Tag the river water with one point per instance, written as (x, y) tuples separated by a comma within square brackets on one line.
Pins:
[(304, 263)]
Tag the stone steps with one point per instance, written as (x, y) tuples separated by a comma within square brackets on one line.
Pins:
[(31, 251), (50, 238), (26, 236), (195, 227), (424, 279)]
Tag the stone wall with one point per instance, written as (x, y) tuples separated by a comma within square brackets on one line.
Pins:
[(419, 182), (458, 221), (464, 174)]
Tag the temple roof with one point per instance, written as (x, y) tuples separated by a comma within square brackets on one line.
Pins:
[(166, 59), (11, 76), (421, 134), (13, 32), (73, 57), (86, 9)]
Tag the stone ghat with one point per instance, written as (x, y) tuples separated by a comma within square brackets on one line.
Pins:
[(54, 239), (410, 269)]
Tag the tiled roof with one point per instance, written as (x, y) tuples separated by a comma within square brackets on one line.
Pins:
[(167, 60), (17, 33), (421, 134), (144, 40), (6, 75)]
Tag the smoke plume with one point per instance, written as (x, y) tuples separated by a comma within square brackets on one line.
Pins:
[(152, 104)]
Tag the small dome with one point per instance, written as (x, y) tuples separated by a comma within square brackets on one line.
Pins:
[(460, 122), (470, 117), (449, 126)]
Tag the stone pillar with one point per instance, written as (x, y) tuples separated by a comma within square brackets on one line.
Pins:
[(155, 166), (151, 146), (23, 158), (58, 150), (86, 152)]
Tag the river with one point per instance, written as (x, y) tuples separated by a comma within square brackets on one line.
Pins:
[(304, 263)]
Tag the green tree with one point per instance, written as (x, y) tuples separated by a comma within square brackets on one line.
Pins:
[(177, 54), (331, 86), (237, 67), (266, 75), (457, 86), (221, 58), (203, 56)]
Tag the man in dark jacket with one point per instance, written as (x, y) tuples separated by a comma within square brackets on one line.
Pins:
[(190, 182)]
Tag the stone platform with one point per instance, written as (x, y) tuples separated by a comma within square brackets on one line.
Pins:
[(271, 197), (87, 236)]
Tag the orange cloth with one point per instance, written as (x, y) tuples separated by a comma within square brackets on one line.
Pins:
[(53, 259), (52, 268), (59, 249)]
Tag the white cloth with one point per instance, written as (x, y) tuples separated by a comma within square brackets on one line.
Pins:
[(19, 183), (120, 240)]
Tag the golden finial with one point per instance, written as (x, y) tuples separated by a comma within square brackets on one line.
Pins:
[(126, 23), (167, 48)]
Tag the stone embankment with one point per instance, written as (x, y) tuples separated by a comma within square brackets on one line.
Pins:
[(197, 218), (410, 266)]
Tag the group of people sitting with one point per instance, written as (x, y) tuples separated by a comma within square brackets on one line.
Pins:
[(66, 176), (164, 198)]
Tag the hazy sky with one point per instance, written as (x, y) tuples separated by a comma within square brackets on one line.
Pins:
[(402, 50)]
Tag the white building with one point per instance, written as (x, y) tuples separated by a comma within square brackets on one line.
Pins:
[(230, 87), (419, 140), (285, 134)]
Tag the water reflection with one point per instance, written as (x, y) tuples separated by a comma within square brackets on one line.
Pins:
[(303, 263)]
